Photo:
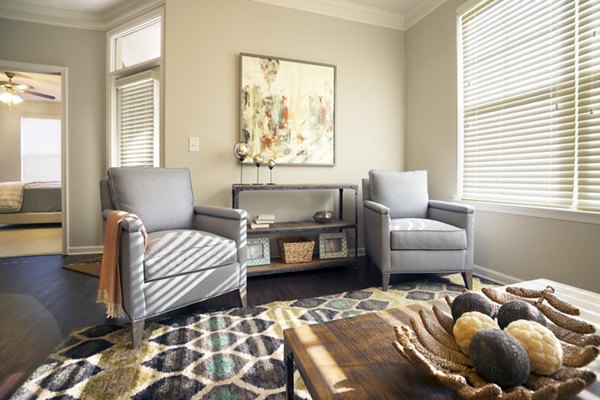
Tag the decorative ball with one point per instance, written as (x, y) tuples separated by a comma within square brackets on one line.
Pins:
[(468, 325), (515, 310), (258, 159), (470, 301), (241, 150), (271, 163), (499, 358), (543, 348)]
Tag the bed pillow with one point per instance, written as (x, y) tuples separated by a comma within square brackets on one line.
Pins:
[(404, 193)]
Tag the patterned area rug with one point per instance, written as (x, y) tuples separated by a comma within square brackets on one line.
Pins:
[(234, 354)]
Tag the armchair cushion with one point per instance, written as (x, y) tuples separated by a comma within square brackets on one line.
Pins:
[(176, 252), (161, 197), (404, 193), (426, 234)]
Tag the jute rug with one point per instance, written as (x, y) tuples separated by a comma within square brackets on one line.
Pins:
[(234, 354), (88, 267)]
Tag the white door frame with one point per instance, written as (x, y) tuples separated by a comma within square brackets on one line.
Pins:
[(6, 65)]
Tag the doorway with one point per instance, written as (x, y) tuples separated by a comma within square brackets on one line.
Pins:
[(33, 205)]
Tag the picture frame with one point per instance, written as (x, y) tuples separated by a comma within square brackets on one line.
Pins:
[(333, 245), (258, 251), (287, 110)]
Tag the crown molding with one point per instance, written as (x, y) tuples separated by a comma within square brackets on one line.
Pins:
[(126, 11), (50, 16), (344, 10), (15, 10), (421, 10)]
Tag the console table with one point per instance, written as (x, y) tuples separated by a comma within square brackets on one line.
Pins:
[(337, 224)]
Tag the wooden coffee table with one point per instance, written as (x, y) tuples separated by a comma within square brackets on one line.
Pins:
[(353, 358)]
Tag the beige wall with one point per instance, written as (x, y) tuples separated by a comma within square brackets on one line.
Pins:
[(517, 246), (203, 42), (83, 53), (10, 134)]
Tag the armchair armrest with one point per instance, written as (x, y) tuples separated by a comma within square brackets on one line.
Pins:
[(227, 222), (449, 206), (221, 212), (378, 208), (128, 224), (377, 223), (459, 215)]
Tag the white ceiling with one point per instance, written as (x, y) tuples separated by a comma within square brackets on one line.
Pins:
[(397, 6), (105, 14), (81, 6), (42, 83)]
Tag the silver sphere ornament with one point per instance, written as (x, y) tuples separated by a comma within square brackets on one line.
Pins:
[(271, 163), (241, 150), (258, 159)]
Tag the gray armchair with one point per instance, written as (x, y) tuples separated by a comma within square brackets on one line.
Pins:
[(193, 252), (405, 232)]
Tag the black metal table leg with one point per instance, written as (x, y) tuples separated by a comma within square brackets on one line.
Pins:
[(288, 359)]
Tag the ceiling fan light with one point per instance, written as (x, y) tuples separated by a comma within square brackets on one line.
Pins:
[(16, 99), (6, 97)]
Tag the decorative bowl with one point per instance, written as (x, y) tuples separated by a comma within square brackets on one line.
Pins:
[(428, 343), (323, 217)]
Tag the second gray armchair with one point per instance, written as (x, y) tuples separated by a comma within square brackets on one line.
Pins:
[(406, 232), (193, 253)]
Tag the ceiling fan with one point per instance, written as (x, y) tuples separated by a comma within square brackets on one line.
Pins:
[(11, 89)]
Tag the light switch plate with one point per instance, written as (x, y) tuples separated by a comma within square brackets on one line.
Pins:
[(194, 144)]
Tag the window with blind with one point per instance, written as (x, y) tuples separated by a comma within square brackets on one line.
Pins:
[(529, 105), (40, 149), (135, 52), (137, 120)]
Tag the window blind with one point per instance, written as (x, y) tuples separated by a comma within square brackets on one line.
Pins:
[(137, 121), (524, 71), (40, 149)]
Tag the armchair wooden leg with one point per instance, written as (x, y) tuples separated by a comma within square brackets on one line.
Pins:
[(243, 296), (137, 333), (468, 278), (385, 281)]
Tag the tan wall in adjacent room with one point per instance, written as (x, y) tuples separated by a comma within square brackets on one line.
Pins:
[(203, 43), (509, 245), (10, 133), (83, 52)]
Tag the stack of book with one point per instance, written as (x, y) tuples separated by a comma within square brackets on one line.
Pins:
[(262, 221)]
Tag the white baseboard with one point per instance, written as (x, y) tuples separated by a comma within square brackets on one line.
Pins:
[(495, 275), (73, 250)]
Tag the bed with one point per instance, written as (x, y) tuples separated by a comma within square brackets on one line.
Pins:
[(30, 203)]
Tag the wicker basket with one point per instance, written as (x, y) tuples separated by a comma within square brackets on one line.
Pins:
[(296, 249)]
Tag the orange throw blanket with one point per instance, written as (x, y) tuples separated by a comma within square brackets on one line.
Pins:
[(109, 289)]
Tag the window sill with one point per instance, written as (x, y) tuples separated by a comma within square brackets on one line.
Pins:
[(536, 212)]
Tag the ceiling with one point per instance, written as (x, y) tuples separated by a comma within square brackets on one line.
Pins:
[(42, 83), (105, 14)]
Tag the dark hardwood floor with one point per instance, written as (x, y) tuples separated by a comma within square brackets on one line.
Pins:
[(41, 303)]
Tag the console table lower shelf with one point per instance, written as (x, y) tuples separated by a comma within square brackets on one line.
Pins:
[(278, 266)]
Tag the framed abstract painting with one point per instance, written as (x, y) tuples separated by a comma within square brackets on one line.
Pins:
[(287, 110)]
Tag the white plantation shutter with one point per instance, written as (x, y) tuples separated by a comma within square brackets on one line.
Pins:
[(40, 149), (523, 91), (137, 120)]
